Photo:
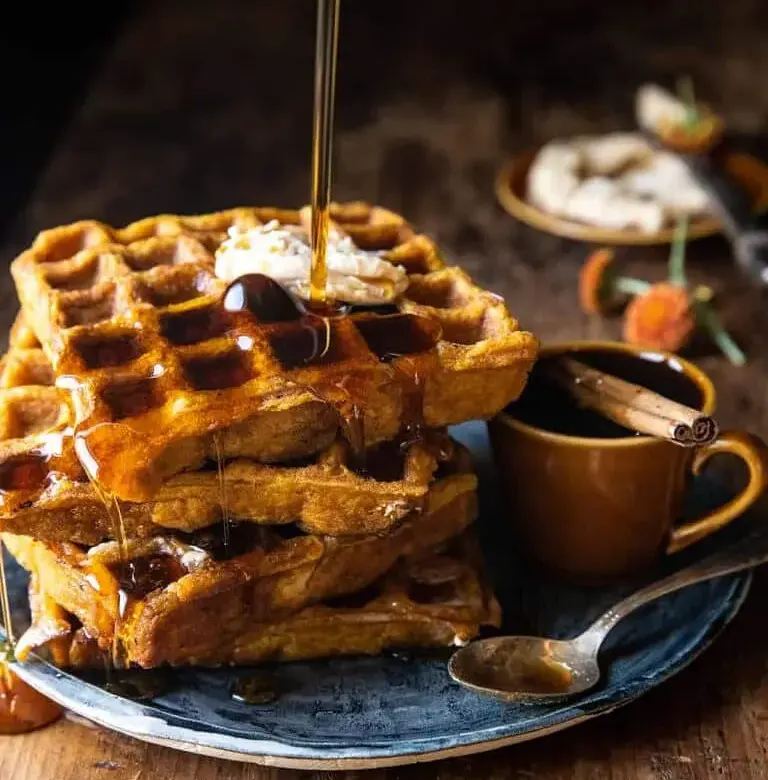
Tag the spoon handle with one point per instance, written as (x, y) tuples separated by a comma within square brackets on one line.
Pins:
[(749, 551)]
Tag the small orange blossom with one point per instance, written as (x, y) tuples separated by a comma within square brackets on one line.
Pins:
[(661, 318)]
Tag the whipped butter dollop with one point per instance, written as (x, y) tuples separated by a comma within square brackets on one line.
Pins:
[(283, 253)]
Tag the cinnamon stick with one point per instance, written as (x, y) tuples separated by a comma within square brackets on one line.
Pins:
[(633, 406)]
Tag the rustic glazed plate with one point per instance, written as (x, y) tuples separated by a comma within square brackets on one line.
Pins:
[(373, 712), (511, 187)]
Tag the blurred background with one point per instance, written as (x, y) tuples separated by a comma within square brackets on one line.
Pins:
[(127, 109)]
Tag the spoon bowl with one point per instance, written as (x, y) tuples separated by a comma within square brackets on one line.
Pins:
[(525, 668)]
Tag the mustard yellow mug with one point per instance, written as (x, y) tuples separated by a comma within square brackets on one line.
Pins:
[(590, 498)]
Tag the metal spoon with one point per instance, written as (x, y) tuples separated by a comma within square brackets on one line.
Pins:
[(732, 204), (539, 670)]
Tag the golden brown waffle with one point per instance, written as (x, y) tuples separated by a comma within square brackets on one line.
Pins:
[(440, 600), (21, 335), (163, 378), (52, 499), (179, 597)]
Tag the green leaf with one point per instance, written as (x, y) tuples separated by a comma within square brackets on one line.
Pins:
[(708, 319), (686, 94), (676, 271)]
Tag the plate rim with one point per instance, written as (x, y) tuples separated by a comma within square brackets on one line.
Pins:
[(27, 671)]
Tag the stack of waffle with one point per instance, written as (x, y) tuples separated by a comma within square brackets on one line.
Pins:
[(190, 483)]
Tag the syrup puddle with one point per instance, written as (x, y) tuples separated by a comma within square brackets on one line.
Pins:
[(257, 689)]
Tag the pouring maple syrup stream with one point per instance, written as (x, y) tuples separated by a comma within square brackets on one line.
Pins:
[(326, 55)]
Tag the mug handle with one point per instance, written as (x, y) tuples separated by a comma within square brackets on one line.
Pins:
[(754, 452)]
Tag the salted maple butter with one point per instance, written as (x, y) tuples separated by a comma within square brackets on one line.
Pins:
[(283, 253)]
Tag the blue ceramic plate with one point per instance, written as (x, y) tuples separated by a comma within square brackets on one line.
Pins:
[(362, 712)]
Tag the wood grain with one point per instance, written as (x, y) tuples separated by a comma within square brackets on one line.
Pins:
[(205, 105)]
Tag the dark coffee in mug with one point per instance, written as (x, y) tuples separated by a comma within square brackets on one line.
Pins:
[(546, 405)]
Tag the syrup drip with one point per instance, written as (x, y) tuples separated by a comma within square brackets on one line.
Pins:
[(115, 514), (147, 574), (261, 295), (5, 603), (384, 462), (225, 519), (243, 538), (326, 53), (353, 428), (30, 473)]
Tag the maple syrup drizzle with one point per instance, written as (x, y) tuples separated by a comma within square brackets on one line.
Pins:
[(326, 54), (114, 513), (5, 604), (225, 519)]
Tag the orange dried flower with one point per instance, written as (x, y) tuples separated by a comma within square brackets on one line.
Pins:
[(662, 318), (596, 282), (693, 138)]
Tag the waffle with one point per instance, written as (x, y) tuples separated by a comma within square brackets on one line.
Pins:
[(162, 377), (176, 594), (51, 497), (440, 600), (21, 335)]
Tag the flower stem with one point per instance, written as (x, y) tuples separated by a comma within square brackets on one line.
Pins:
[(686, 94), (630, 286), (676, 271), (709, 320)]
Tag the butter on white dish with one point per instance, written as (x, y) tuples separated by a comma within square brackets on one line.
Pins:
[(553, 177), (610, 154), (666, 180), (601, 201), (283, 253), (617, 181)]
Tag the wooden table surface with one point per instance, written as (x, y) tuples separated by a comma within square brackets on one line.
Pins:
[(200, 106)]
